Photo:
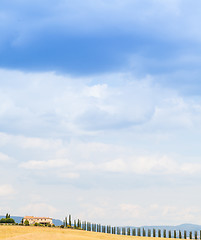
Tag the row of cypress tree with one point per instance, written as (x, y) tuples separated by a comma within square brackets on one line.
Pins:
[(87, 226)]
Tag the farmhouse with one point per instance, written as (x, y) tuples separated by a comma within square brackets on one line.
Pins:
[(41, 220)]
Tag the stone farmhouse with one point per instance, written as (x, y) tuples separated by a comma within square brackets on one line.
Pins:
[(40, 220)]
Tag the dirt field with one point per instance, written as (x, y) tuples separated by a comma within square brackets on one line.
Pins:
[(45, 233)]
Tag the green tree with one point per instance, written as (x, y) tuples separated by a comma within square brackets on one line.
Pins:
[(143, 232), (159, 233), (175, 234), (185, 235), (75, 224), (7, 220), (149, 233), (169, 234), (26, 222), (154, 232), (123, 231), (70, 223), (180, 234), (196, 235), (134, 232), (164, 233), (66, 222)]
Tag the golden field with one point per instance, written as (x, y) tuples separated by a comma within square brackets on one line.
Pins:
[(45, 233)]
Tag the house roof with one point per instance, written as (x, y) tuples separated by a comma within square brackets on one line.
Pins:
[(31, 217)]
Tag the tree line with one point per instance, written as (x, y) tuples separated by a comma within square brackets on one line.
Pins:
[(130, 231)]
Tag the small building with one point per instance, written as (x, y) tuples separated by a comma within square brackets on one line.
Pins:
[(40, 220)]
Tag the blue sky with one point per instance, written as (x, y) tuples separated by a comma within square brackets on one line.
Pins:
[(100, 110)]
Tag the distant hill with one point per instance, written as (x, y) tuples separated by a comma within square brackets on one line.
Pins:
[(188, 227), (18, 219), (182, 227)]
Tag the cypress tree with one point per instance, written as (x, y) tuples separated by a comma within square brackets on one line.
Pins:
[(139, 232), (123, 231), (128, 231), (75, 224), (196, 235), (70, 224), (159, 233), (78, 223), (134, 232), (118, 231), (149, 233), (200, 234), (143, 232), (190, 235), (83, 225), (180, 234), (175, 234), (169, 234), (185, 236), (164, 233), (154, 232), (66, 222)]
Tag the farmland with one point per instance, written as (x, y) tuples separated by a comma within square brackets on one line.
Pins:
[(43, 233)]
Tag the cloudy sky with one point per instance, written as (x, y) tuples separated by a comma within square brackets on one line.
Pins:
[(100, 110)]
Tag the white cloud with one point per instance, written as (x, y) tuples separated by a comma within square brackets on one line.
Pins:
[(4, 157), (84, 130), (38, 209), (69, 175), (158, 212), (55, 163), (133, 210), (6, 190)]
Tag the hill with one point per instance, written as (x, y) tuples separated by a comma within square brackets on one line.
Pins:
[(45, 233), (187, 226)]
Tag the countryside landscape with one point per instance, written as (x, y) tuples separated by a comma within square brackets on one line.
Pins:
[(78, 229), (100, 119)]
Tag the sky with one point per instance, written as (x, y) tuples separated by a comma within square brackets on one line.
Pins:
[(100, 110)]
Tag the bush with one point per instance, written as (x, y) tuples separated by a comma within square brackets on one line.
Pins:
[(35, 224), (26, 222), (7, 220), (62, 226), (53, 225), (49, 225)]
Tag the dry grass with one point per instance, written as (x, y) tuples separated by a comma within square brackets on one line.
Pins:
[(42, 233)]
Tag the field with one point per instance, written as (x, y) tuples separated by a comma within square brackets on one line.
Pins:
[(45, 233)]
